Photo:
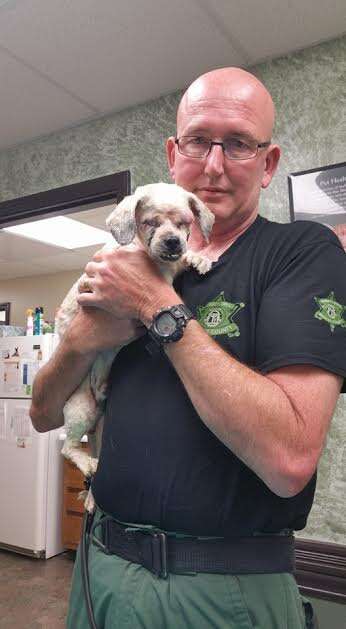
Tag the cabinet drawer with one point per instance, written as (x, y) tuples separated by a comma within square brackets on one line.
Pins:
[(72, 504), (73, 477)]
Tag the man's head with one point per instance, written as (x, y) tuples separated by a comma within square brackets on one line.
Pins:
[(229, 105)]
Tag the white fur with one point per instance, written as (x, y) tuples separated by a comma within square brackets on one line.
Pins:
[(173, 209)]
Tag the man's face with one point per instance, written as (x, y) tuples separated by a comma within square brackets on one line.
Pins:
[(230, 188)]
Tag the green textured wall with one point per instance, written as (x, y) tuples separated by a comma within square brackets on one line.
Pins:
[(309, 91)]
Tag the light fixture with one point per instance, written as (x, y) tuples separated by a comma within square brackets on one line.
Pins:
[(61, 231)]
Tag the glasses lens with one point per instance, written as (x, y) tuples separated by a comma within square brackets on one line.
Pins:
[(236, 148), (192, 146)]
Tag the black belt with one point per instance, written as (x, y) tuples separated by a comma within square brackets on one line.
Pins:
[(162, 553)]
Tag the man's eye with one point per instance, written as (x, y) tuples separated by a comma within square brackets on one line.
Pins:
[(236, 143), (199, 140)]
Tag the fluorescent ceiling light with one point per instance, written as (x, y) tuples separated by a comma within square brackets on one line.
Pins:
[(61, 231)]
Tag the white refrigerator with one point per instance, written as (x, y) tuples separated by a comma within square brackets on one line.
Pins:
[(31, 466)]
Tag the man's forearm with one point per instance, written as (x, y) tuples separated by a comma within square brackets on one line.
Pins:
[(248, 412), (54, 384)]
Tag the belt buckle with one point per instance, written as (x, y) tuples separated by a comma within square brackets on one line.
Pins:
[(159, 554)]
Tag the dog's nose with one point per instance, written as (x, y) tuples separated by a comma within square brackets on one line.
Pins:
[(173, 243)]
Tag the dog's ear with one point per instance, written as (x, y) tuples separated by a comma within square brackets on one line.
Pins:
[(122, 221), (204, 216)]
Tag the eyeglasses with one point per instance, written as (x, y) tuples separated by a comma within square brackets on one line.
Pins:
[(233, 148)]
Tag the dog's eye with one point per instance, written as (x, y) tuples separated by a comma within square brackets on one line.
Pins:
[(181, 224), (151, 222)]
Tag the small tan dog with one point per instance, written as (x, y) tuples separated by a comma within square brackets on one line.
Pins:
[(159, 217)]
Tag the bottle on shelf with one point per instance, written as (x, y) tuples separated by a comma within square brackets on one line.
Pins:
[(29, 322), (41, 320), (37, 321)]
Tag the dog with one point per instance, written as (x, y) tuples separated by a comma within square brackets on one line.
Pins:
[(158, 217)]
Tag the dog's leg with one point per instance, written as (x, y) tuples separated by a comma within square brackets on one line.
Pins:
[(200, 262), (81, 413), (98, 383)]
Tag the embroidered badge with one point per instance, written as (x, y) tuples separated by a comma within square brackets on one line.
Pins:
[(330, 311), (216, 317)]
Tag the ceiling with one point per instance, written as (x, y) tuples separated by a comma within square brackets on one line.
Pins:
[(22, 257), (63, 62)]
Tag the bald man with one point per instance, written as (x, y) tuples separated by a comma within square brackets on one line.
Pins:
[(211, 444)]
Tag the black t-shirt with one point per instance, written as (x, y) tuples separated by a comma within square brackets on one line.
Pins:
[(276, 297)]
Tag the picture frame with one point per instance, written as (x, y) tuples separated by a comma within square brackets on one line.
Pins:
[(319, 194), (5, 313)]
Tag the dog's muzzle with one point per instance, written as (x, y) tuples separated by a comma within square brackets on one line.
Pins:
[(171, 249)]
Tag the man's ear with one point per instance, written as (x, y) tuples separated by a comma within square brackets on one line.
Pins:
[(271, 164), (170, 153)]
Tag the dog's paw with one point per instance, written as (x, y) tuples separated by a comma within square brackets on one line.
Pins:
[(201, 263), (92, 466), (87, 466), (83, 495), (89, 502)]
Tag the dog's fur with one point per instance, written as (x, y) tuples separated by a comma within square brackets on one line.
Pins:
[(158, 216)]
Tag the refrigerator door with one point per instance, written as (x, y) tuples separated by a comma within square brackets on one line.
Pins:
[(30, 491)]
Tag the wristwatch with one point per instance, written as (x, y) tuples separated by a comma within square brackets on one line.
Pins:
[(168, 324)]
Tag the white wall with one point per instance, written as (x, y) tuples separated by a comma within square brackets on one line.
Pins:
[(39, 290)]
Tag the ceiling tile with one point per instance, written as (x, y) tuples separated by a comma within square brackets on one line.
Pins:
[(31, 105), (269, 28), (113, 55)]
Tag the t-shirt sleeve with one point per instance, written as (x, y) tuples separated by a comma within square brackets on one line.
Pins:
[(302, 314)]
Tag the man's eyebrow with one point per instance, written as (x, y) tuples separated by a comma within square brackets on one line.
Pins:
[(204, 132), (199, 131)]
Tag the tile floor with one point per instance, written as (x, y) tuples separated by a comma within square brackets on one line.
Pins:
[(34, 592)]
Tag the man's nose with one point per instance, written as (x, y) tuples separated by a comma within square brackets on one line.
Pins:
[(215, 162)]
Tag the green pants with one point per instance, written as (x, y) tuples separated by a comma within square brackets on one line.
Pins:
[(127, 596)]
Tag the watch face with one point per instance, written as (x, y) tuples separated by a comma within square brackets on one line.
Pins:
[(165, 324)]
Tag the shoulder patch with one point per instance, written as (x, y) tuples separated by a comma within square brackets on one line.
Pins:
[(216, 317), (330, 311)]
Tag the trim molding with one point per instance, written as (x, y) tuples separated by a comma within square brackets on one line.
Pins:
[(92, 192), (321, 569)]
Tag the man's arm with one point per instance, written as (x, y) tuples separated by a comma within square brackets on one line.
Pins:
[(54, 384), (275, 423), (91, 331)]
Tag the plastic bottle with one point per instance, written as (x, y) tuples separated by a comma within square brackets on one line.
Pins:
[(37, 321), (41, 320), (29, 322)]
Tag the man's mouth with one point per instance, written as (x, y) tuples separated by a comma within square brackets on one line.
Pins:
[(210, 189)]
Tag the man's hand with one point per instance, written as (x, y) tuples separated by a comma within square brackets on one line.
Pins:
[(126, 283), (340, 231)]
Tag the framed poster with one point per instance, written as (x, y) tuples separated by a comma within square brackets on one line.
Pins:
[(319, 195)]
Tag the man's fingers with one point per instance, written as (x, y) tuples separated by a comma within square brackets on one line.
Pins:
[(84, 285), (87, 299), (98, 256), (91, 268)]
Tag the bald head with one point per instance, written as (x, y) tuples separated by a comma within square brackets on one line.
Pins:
[(231, 87)]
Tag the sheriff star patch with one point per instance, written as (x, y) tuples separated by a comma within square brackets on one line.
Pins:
[(330, 311), (216, 317)]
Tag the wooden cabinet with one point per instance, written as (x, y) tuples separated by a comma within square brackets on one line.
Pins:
[(73, 508)]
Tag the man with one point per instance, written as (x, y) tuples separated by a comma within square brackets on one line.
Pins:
[(215, 439)]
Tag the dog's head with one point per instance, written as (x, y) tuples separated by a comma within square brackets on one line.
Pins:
[(160, 215)]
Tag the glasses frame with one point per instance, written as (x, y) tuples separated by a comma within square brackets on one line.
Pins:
[(259, 145)]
